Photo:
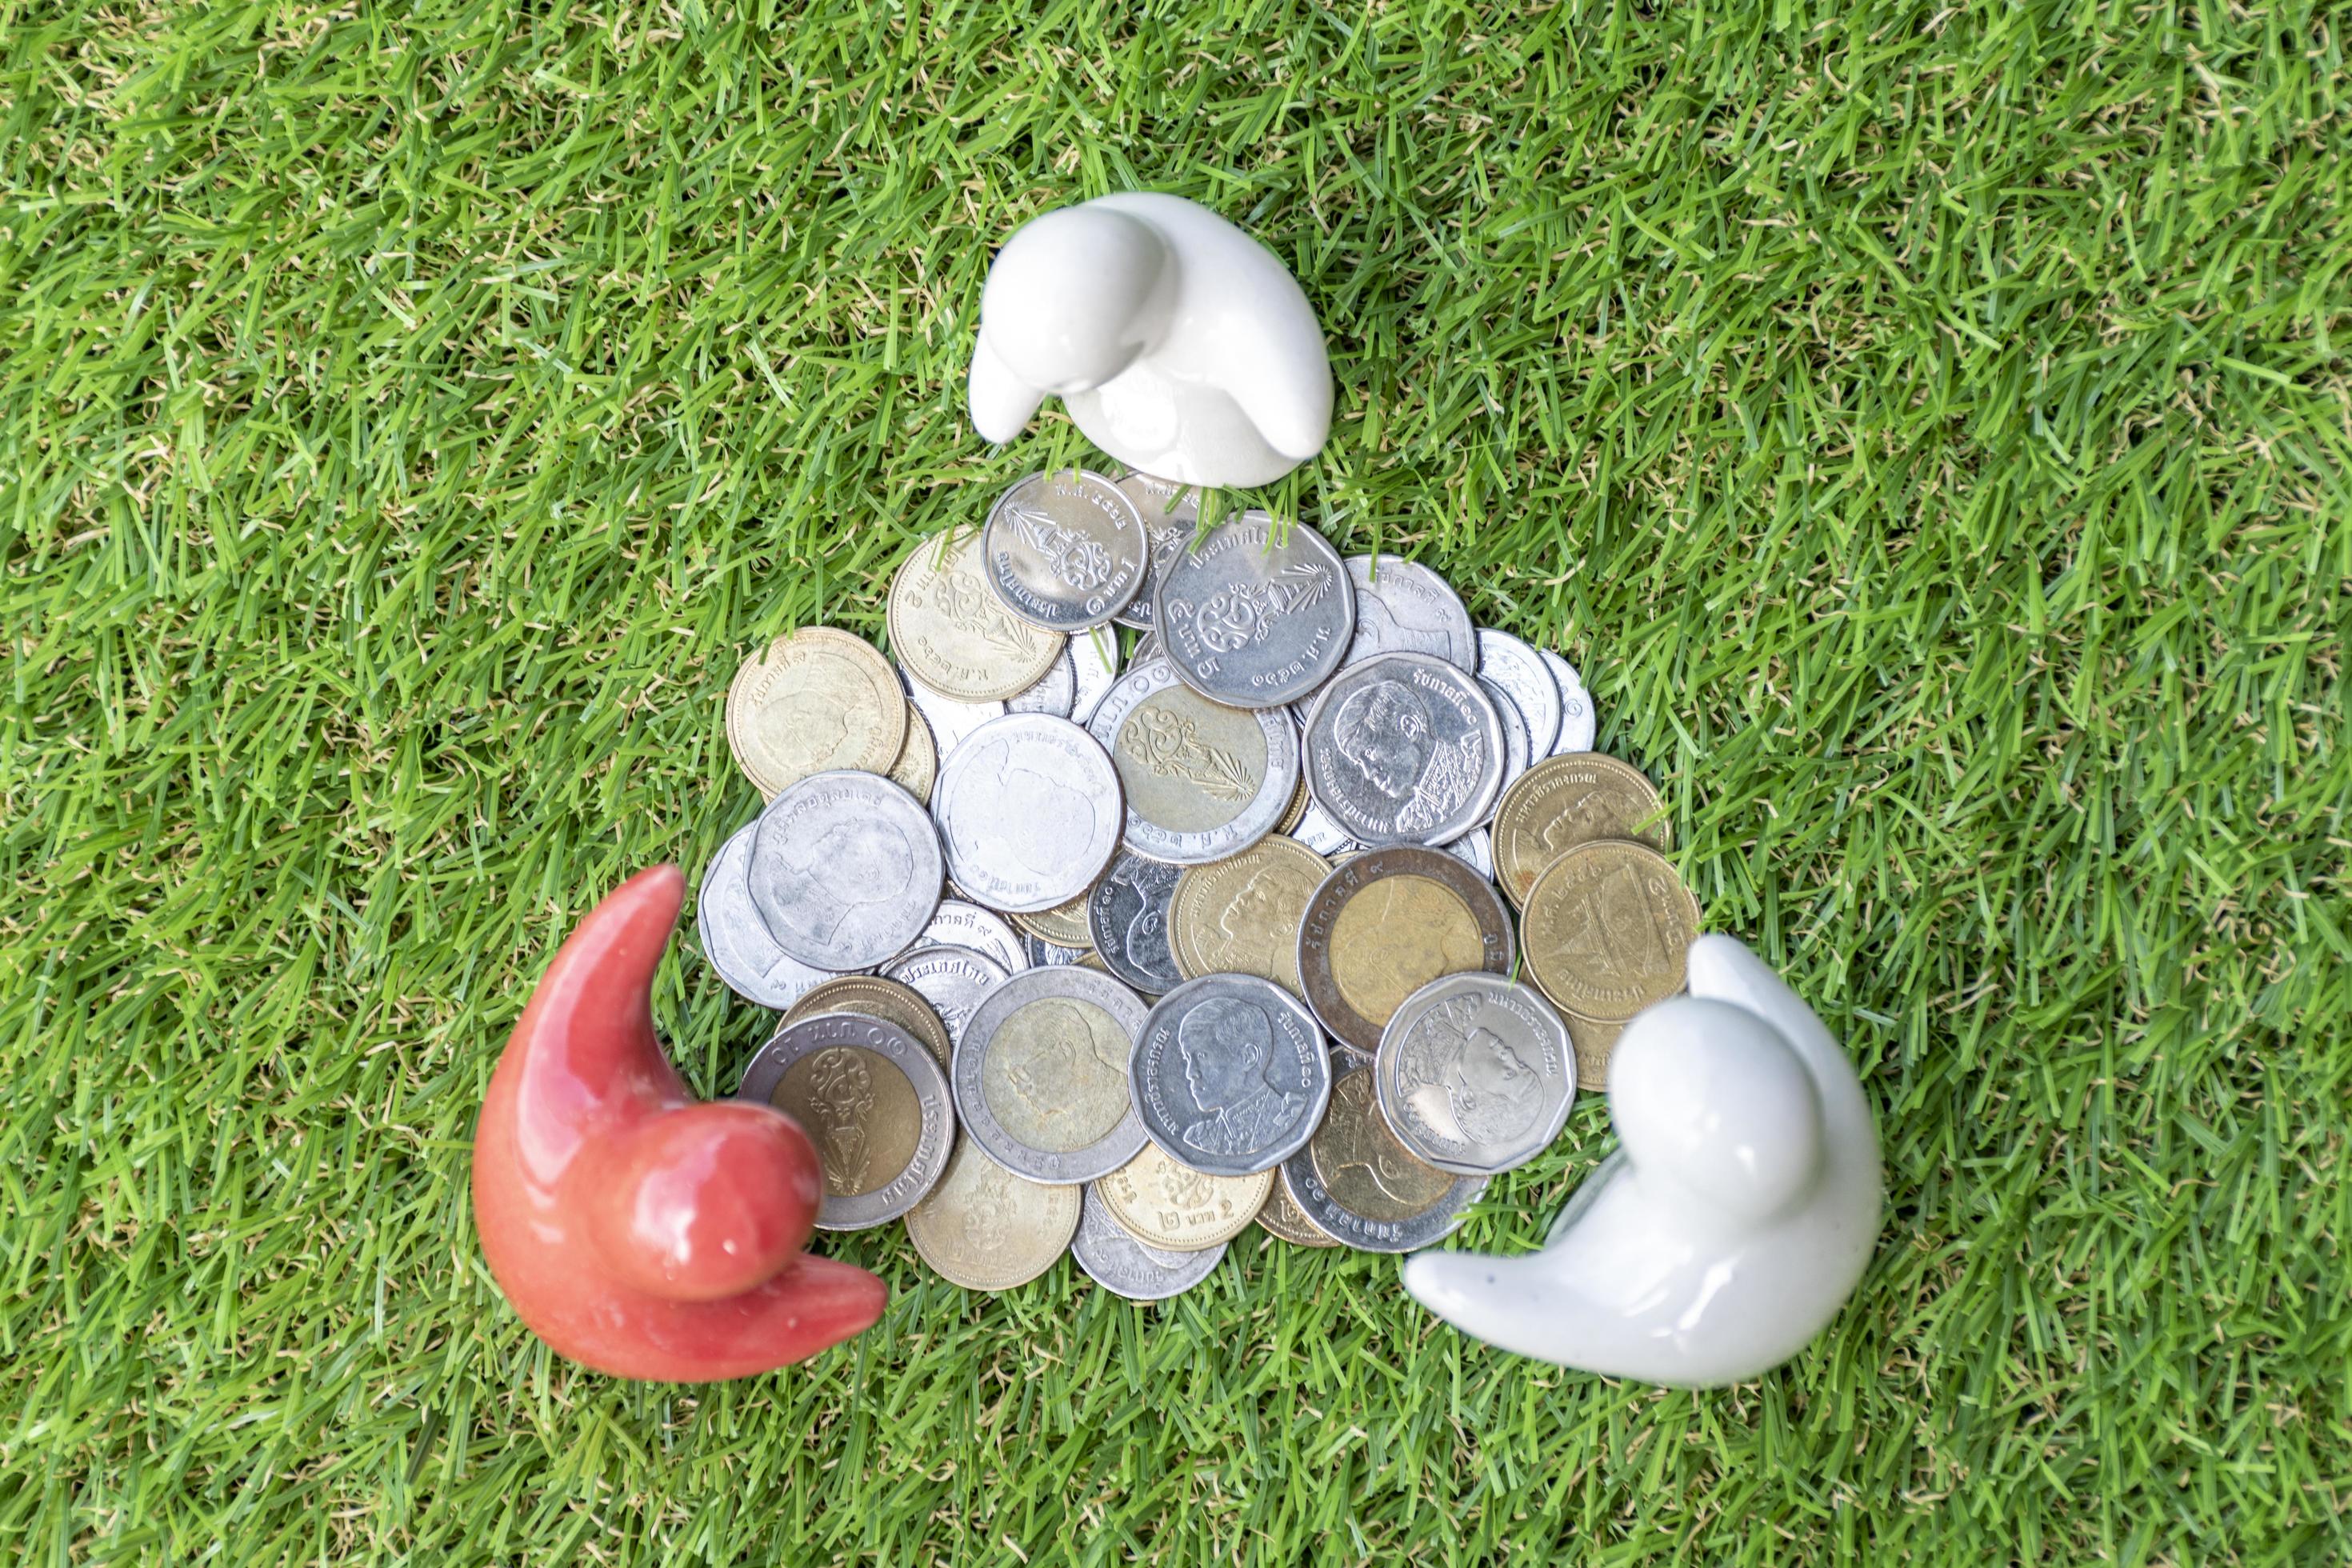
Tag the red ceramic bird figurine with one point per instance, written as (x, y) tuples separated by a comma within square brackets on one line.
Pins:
[(638, 1230)]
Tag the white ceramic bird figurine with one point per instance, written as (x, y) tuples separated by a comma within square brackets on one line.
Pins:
[(1180, 346), (1735, 1218)]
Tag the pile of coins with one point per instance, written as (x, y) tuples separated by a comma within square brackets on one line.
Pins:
[(1116, 956)]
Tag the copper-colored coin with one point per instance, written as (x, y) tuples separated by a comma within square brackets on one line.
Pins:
[(1593, 1044), (918, 767), (954, 635), (1063, 925), (1387, 923), (1280, 1218), (1241, 915), (1358, 1184), (984, 1228), (870, 997), (1609, 927), (1567, 801), (816, 701), (1162, 1203)]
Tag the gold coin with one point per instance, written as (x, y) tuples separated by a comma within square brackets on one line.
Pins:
[(952, 632), (1594, 1043), (859, 1111), (871, 996), (1281, 1218), (1094, 961), (984, 1228), (1364, 1167), (1063, 925), (1240, 915), (1395, 937), (817, 699), (1564, 802), (1162, 1203), (918, 767), (1608, 930)]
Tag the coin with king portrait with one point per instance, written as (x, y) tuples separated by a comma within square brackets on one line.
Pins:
[(1404, 749), (1041, 1074), (1475, 1074), (1030, 811), (1230, 1074), (873, 1101), (845, 870)]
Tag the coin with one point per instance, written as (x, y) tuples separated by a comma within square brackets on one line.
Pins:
[(872, 1101), (1474, 1074), (1162, 1203), (1515, 732), (1240, 916), (1125, 1267), (1055, 692), (1279, 1217), (1475, 849), (1595, 1044), (948, 720), (1029, 810), (954, 636), (818, 699), (1064, 924), (918, 767), (1171, 513), (1402, 606), (1609, 927), (1404, 749), (1356, 1184), (1202, 780), (961, 923), (1577, 721), (1094, 665), (1230, 1076), (951, 981), (1127, 919), (875, 997), (1299, 798), (1506, 662), (1566, 801), (984, 1228), (1066, 550), (1255, 624), (1385, 924), (1320, 833), (1044, 955), (736, 939), (1041, 1074), (845, 870)]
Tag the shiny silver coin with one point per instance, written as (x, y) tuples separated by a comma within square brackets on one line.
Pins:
[(1402, 606), (1404, 749), (1202, 780), (1044, 955), (1515, 734), (950, 720), (872, 1101), (1094, 662), (1125, 1267), (961, 923), (845, 870), (1251, 623), (1577, 723), (953, 980), (1475, 849), (1041, 1074), (1055, 692), (1030, 811), (1504, 661), (1127, 915), (1358, 1185), (1474, 1074), (736, 939), (1171, 515), (1326, 837), (1230, 1074), (1064, 550)]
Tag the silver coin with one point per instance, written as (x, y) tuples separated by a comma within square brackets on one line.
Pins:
[(1041, 1076), (1127, 915), (1515, 740), (953, 980), (1044, 955), (1402, 606), (1475, 849), (960, 924), (1030, 811), (736, 939), (882, 1141), (1064, 550), (1251, 623), (1320, 833), (1230, 1074), (1125, 1267), (1389, 1200), (1172, 514), (1504, 661), (1202, 780), (845, 870), (1055, 692), (1147, 648), (1577, 723), (950, 720), (1093, 663), (1474, 1074), (1404, 749)]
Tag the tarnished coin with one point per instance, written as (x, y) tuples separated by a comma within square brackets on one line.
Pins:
[(954, 636), (1609, 927), (1055, 692), (1356, 1184), (1279, 1217), (1125, 1267), (875, 997), (1252, 623), (872, 1101), (1474, 1074), (961, 923), (1126, 915), (1231, 1076), (736, 939), (1041, 1074), (1240, 916), (1066, 550), (1402, 606), (1044, 955), (1386, 923), (1171, 513), (918, 767), (1162, 1203), (1595, 1044), (1320, 833), (1475, 849), (952, 981), (1567, 801), (1577, 723), (818, 699), (1299, 798), (1064, 925), (1515, 732), (1506, 662), (845, 870), (1094, 665), (984, 1228), (1202, 780), (1029, 810), (949, 720), (1404, 749)]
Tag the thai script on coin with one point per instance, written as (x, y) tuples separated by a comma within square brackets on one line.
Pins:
[(1316, 829), (1594, 1043), (961, 923), (1163, 1204), (736, 939), (1404, 749), (877, 997), (1577, 721), (1202, 780), (1402, 606), (1356, 1184), (1127, 916), (1065, 550), (845, 870), (1506, 662), (953, 634), (1029, 810), (1253, 623), (1386, 923), (1125, 1267), (1230, 1076), (952, 981), (817, 699), (984, 1228), (1171, 515), (872, 1101), (1566, 801), (1241, 915), (1608, 928), (1474, 1074), (1041, 1074)]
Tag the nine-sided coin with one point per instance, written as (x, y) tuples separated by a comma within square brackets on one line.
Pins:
[(1404, 749), (1163, 1204), (845, 870), (1171, 513), (952, 981), (1202, 780), (1230, 1076), (1505, 661), (1402, 606), (1609, 927), (1253, 623), (984, 1228), (1041, 1074), (1566, 801), (1356, 1184), (1126, 918), (876, 997), (1029, 810), (954, 636), (873, 1101), (1475, 1074), (1125, 1267), (736, 939), (817, 699), (1386, 923)]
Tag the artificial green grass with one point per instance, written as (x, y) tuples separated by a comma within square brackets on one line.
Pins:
[(1924, 426)]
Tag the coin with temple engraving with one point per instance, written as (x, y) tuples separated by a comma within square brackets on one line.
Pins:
[(1356, 1184), (1171, 513), (1506, 662), (1475, 1074), (1030, 812), (951, 981), (985, 1228), (1041, 1074), (1125, 1267), (1255, 616), (1566, 801), (1404, 749), (1241, 915), (1126, 918), (951, 633), (872, 1101), (1387, 922), (1402, 606), (1608, 929), (1202, 780), (1163, 1204), (845, 870), (875, 997), (1230, 1076), (1066, 550), (817, 699)]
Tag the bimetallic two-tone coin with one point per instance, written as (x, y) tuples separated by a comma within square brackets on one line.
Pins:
[(1066, 550), (1125, 1267), (918, 767), (1240, 916), (1029, 810), (1506, 662), (951, 981), (1387, 922), (1126, 918), (953, 636), (874, 1102), (875, 997), (1577, 721), (1404, 749), (984, 1228), (1165, 1204), (1356, 1184), (1202, 780), (1475, 1074), (1280, 1218), (958, 923), (1171, 515), (816, 700), (1515, 733), (845, 870), (1041, 1074), (1252, 623), (1608, 928), (1230, 1076), (1402, 606), (1566, 801), (736, 939)]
